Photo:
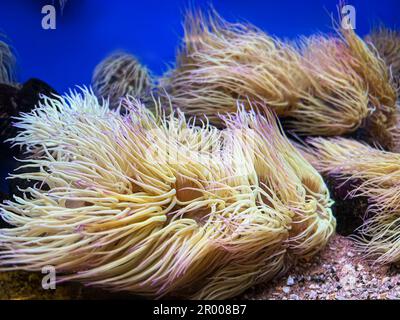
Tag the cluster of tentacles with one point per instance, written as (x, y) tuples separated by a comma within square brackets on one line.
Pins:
[(156, 206), (375, 175), (381, 91), (368, 170), (7, 64), (221, 62), (121, 74), (322, 85), (387, 43)]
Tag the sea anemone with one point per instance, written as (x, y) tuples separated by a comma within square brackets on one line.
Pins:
[(387, 43), (119, 75), (295, 182), (381, 90), (375, 174), (8, 90), (7, 64), (310, 84), (336, 100), (222, 62), (156, 206)]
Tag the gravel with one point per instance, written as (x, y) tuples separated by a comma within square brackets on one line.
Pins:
[(337, 273)]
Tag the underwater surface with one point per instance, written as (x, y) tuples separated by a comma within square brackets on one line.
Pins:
[(321, 102)]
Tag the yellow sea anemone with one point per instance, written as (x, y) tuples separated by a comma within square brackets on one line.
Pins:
[(7, 64), (8, 90), (376, 173), (381, 89), (119, 75), (294, 181), (156, 206), (387, 43), (336, 100), (221, 62)]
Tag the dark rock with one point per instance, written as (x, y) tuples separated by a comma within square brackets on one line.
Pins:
[(29, 94), (8, 109), (13, 101), (16, 99), (348, 211)]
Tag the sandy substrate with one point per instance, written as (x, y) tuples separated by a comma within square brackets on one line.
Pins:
[(337, 273)]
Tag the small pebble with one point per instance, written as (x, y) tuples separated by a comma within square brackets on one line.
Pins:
[(286, 289), (290, 281)]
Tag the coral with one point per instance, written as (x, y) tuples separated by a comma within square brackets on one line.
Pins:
[(156, 206), (119, 75), (376, 174)]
